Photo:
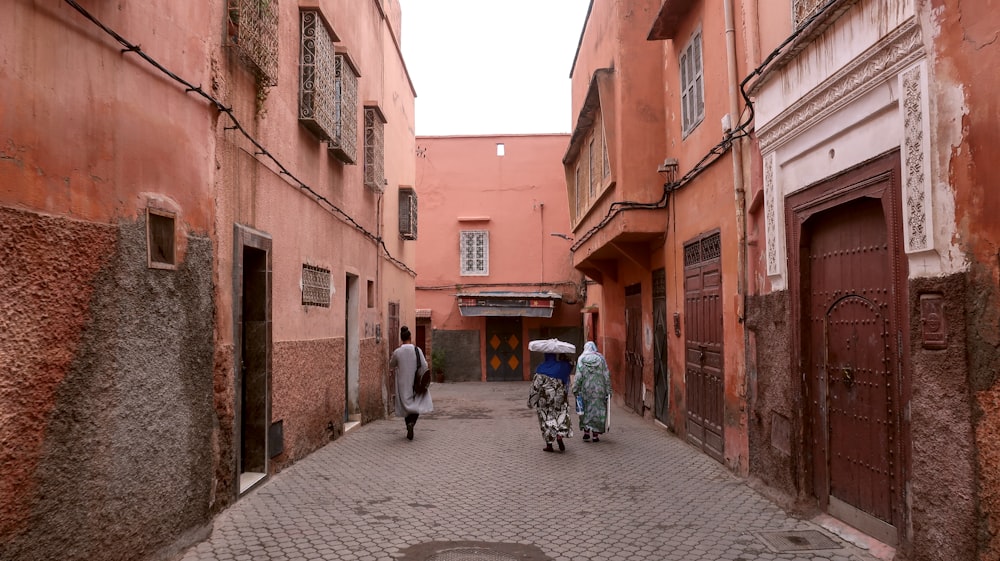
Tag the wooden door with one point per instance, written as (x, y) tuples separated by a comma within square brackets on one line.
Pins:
[(848, 279), (503, 349), (851, 381), (661, 382), (703, 380), (633, 347)]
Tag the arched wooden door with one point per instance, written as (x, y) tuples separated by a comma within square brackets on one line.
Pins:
[(850, 281)]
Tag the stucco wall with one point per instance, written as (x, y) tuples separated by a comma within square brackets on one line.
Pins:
[(123, 418), (942, 484), (774, 419)]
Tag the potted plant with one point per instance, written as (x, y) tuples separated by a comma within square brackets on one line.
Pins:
[(437, 364)]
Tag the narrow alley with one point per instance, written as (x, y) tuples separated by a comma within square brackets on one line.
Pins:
[(474, 484)]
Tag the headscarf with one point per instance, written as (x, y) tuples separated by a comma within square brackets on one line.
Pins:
[(590, 357), (555, 368)]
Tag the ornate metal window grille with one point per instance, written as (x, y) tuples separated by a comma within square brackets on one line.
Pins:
[(802, 9), (475, 253), (316, 76), (315, 286), (374, 149), (344, 142), (594, 177), (578, 189), (407, 214), (253, 32), (702, 250), (692, 85)]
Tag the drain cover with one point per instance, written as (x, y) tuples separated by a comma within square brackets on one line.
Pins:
[(471, 554), (798, 540)]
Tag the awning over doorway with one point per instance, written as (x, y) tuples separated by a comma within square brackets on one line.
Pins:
[(507, 304)]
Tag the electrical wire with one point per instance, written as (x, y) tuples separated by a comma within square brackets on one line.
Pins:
[(718, 150), (236, 125)]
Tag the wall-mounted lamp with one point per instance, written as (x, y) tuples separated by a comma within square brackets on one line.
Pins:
[(668, 169)]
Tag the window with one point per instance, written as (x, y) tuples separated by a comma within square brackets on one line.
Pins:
[(407, 213), (374, 149), (315, 286), (371, 294), (344, 141), (252, 30), (500, 149), (578, 192), (160, 239), (317, 85), (594, 178), (692, 87), (474, 250)]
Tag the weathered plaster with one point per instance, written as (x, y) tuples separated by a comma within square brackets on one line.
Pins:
[(129, 422)]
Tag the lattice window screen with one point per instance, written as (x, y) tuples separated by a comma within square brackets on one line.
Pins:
[(317, 77), (344, 143), (315, 286), (374, 149), (474, 252), (253, 32), (802, 9), (407, 214)]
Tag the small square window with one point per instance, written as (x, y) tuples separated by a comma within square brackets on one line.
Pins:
[(160, 239), (315, 286), (500, 149)]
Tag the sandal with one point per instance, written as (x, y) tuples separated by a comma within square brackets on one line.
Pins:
[(586, 437), (595, 439), (548, 448)]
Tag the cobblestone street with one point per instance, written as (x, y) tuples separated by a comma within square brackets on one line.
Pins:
[(475, 484)]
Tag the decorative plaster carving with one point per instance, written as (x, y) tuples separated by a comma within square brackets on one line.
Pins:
[(770, 226), (871, 68), (916, 176)]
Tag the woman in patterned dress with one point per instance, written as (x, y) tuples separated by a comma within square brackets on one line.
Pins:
[(548, 397), (593, 384)]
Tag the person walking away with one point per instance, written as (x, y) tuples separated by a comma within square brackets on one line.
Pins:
[(408, 361), (548, 397), (593, 384)]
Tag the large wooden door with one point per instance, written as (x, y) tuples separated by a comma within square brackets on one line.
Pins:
[(704, 386), (633, 347), (503, 349), (661, 382), (849, 283), (851, 381)]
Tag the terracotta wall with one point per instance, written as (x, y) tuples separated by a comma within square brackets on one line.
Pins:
[(519, 198)]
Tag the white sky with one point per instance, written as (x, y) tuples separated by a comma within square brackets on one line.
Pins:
[(488, 67)]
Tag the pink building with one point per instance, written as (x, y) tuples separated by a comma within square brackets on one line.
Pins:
[(202, 267), (494, 268)]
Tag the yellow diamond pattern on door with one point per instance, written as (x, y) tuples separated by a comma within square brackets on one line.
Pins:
[(504, 351)]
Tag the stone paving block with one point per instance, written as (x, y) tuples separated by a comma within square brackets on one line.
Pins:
[(475, 472)]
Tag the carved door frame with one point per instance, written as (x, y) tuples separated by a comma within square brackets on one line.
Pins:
[(878, 178)]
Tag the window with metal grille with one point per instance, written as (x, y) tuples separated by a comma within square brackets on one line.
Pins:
[(701, 250), (160, 236), (317, 73), (474, 251), (578, 193), (803, 9), (315, 286), (692, 85), (374, 149), (252, 30), (407, 213), (344, 141)]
